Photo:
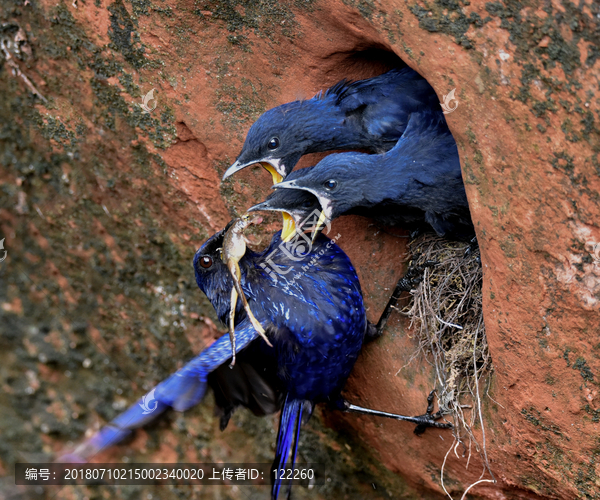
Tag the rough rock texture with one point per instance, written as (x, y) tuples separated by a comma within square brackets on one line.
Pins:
[(102, 207)]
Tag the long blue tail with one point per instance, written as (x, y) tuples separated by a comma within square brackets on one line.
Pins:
[(289, 432), (182, 390)]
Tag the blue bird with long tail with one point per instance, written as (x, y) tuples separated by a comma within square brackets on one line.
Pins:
[(311, 307), (315, 319)]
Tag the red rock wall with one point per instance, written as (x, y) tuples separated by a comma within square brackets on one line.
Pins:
[(103, 206)]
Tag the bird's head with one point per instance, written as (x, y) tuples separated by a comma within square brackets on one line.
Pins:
[(276, 141), (212, 275), (337, 182), (296, 206)]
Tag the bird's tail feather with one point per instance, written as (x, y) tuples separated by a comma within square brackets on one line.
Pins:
[(182, 390), (287, 440)]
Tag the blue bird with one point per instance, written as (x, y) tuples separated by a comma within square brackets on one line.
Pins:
[(417, 183), (311, 307), (367, 114)]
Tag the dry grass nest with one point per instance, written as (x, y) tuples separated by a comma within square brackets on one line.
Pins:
[(447, 319)]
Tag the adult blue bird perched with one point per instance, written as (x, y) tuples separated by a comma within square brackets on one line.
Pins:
[(367, 114), (417, 183), (315, 318)]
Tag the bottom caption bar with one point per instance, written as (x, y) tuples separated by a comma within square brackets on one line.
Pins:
[(165, 474)]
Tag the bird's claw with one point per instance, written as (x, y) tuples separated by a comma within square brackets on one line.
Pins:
[(430, 418), (372, 332)]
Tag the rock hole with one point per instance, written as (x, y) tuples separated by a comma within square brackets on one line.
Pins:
[(363, 62)]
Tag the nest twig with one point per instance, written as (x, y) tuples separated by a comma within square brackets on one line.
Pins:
[(447, 318)]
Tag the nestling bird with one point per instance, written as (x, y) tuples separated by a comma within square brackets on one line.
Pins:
[(313, 308), (301, 212), (296, 207), (416, 183), (367, 114)]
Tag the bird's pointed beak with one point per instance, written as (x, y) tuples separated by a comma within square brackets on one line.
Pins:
[(287, 185), (289, 227), (236, 167), (274, 167), (326, 206), (289, 224), (265, 205), (323, 219)]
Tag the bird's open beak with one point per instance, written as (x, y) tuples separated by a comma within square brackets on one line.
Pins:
[(236, 167), (326, 206), (274, 167), (277, 177), (260, 206), (289, 225), (318, 227), (288, 185)]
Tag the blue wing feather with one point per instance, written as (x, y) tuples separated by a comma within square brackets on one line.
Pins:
[(182, 390), (384, 104)]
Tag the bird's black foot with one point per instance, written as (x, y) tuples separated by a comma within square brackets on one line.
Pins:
[(372, 333), (422, 421), (413, 276), (430, 418)]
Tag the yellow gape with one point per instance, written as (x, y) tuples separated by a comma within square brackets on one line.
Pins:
[(289, 227), (320, 224), (277, 178), (234, 248)]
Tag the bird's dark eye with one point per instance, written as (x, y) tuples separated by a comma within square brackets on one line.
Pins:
[(273, 143), (330, 185), (206, 262), (307, 204)]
